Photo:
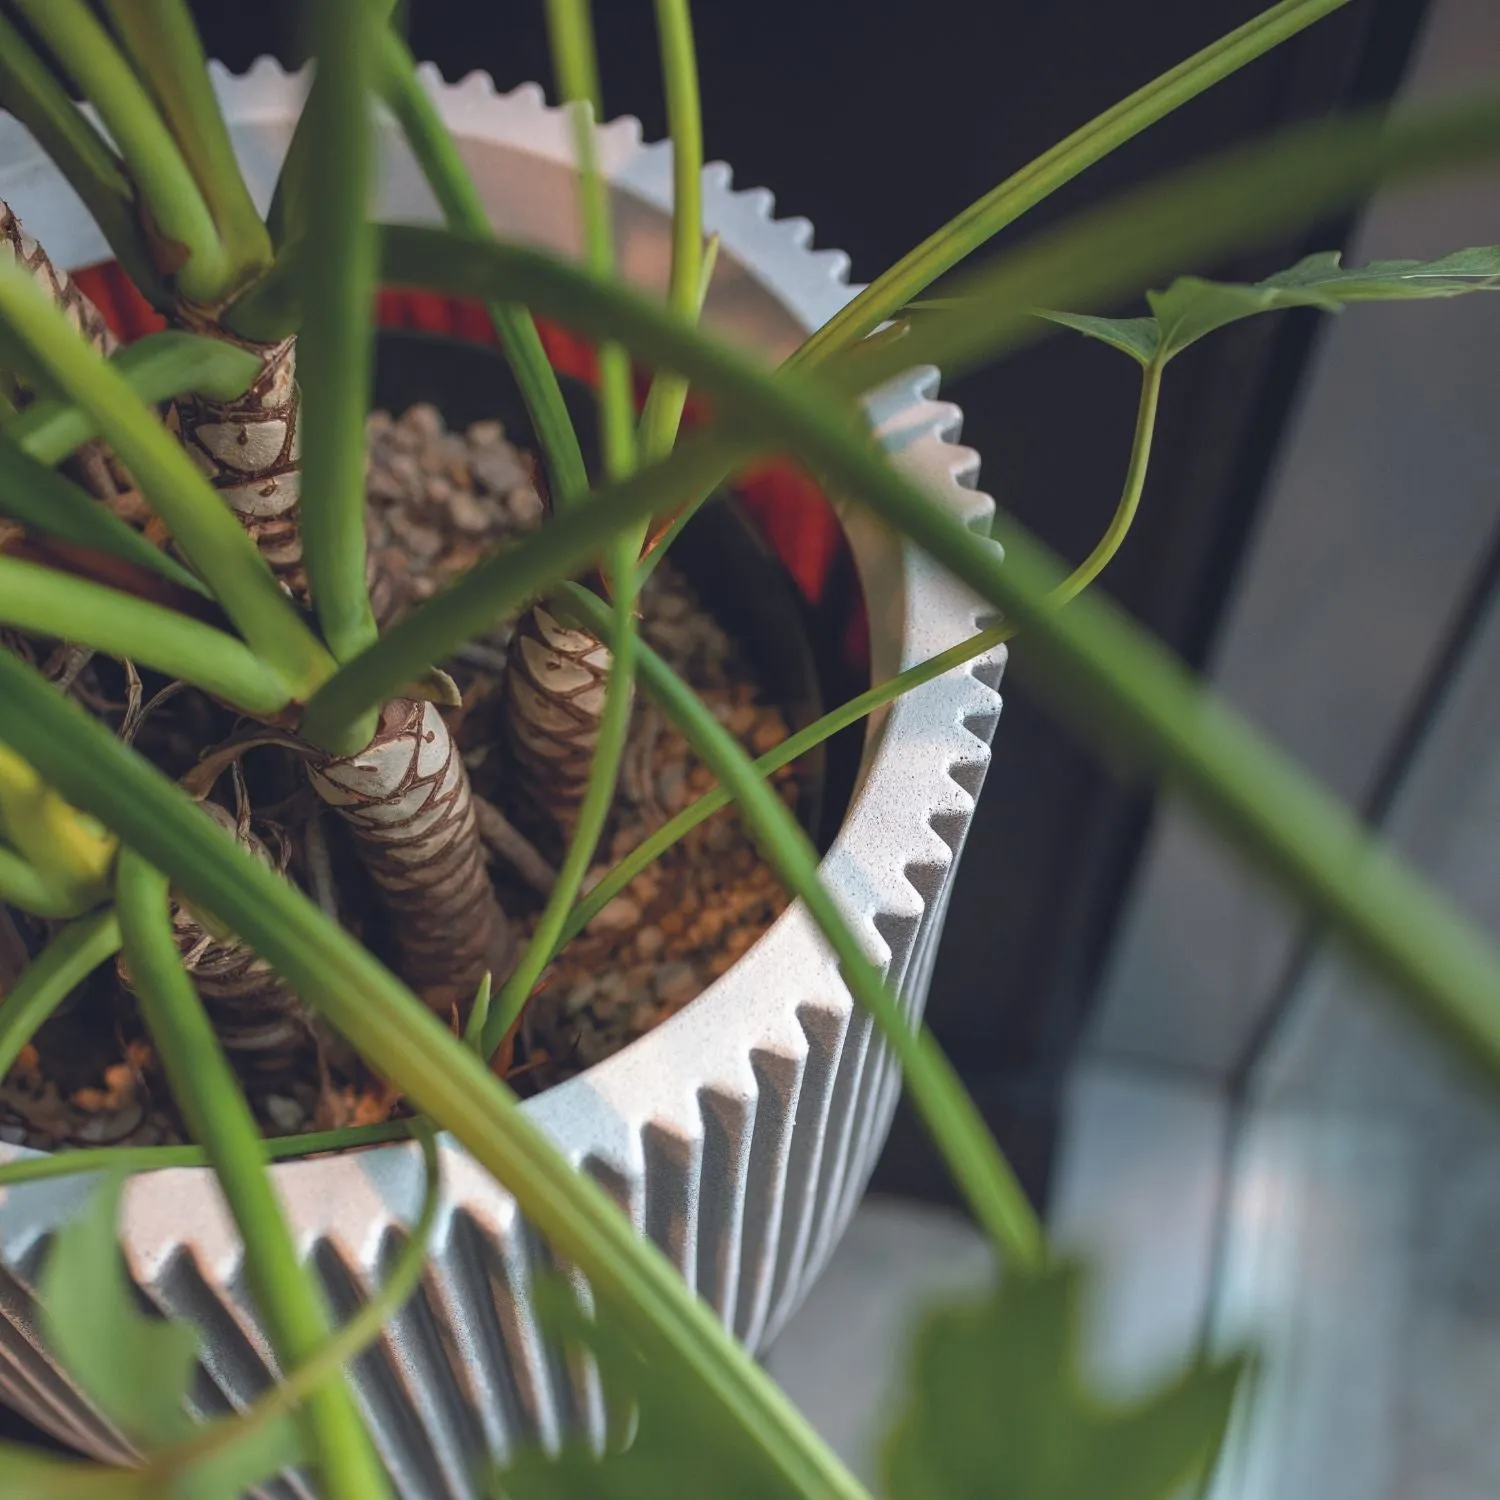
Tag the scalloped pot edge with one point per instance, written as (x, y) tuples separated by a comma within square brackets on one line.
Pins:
[(739, 1134)]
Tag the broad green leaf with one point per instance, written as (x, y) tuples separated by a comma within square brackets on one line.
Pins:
[(1192, 307), (137, 1368), (999, 1408)]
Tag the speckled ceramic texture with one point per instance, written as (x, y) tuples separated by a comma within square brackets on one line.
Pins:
[(739, 1134)]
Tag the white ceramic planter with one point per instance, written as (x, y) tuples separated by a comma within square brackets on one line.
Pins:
[(739, 1135)]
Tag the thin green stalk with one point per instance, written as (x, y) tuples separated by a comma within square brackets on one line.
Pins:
[(687, 284), (159, 367), (390, 1027), (162, 41), (661, 416), (205, 1088), (53, 975), (593, 812), (570, 30), (1039, 179), (134, 1159), (1130, 498), (335, 347), (58, 604), (49, 505), (212, 540), (651, 848), (994, 1195), (185, 239), (449, 178), (32, 93)]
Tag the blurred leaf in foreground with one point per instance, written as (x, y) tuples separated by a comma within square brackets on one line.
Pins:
[(999, 1408), (135, 1367)]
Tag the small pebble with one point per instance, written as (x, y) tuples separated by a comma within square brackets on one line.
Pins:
[(525, 506), (616, 916), (648, 941), (676, 984), (284, 1113)]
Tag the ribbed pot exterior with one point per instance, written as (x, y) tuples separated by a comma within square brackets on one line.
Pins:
[(740, 1134)]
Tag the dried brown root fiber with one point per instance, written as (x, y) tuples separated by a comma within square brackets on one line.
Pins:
[(405, 798)]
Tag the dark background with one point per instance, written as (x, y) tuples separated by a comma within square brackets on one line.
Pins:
[(879, 122)]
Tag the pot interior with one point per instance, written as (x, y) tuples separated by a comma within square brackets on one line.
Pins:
[(804, 644)]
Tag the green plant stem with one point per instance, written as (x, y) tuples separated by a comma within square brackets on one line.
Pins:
[(593, 812), (163, 43), (1039, 179), (85, 613), (159, 367), (184, 229), (335, 347), (53, 975), (691, 268), (205, 1089), (46, 504), (464, 209), (133, 1159), (570, 31), (390, 1027), (32, 93), (661, 416), (956, 1126), (210, 537), (1130, 496)]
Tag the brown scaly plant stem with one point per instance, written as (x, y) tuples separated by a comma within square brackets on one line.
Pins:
[(406, 796), (92, 466), (248, 448), (259, 1020), (555, 682), (406, 799)]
